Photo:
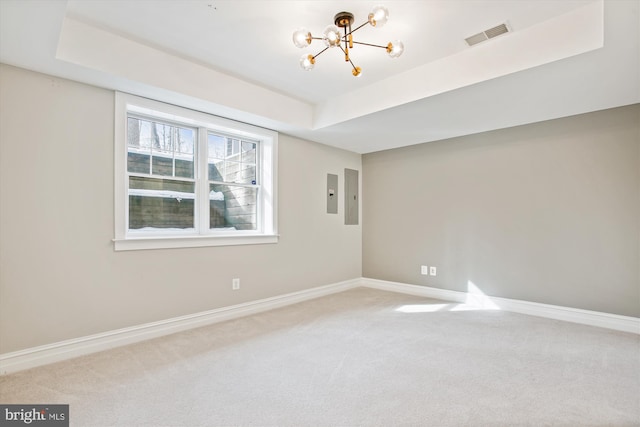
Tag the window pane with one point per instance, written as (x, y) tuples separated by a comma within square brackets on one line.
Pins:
[(217, 146), (161, 164), (160, 204), (249, 152), (216, 170), (233, 148), (184, 167), (233, 207), (159, 148), (138, 162), (138, 156), (247, 174), (184, 153), (186, 141), (232, 172)]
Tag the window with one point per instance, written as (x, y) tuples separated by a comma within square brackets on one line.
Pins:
[(188, 179)]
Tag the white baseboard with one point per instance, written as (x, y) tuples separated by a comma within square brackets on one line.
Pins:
[(568, 314), (50, 353)]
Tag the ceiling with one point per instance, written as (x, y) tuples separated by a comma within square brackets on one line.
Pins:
[(236, 59)]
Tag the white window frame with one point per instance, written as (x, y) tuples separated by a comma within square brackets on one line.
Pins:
[(267, 228)]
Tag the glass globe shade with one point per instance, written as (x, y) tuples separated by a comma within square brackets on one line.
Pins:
[(307, 62), (397, 47), (378, 16), (331, 36), (302, 37)]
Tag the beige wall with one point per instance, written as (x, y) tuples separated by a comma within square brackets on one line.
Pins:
[(59, 275), (548, 212)]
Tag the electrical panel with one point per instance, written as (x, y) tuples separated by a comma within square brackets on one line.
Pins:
[(332, 193), (351, 197)]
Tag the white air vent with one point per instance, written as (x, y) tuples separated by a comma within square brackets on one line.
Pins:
[(487, 34)]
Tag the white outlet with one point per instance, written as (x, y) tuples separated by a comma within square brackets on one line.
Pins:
[(424, 270), (432, 271), (235, 284)]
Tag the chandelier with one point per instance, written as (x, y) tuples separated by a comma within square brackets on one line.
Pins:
[(332, 36)]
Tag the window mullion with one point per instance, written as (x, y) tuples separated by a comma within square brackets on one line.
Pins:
[(202, 185), (172, 141), (261, 208)]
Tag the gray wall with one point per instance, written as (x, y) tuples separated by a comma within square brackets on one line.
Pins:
[(548, 212), (59, 275)]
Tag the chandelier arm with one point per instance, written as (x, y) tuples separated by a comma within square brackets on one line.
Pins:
[(357, 28), (318, 54), (369, 44)]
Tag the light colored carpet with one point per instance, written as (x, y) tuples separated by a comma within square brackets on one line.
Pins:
[(359, 358)]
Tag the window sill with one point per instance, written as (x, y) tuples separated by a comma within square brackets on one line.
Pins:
[(168, 242)]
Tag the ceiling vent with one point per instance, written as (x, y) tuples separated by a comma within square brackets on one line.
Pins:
[(487, 34)]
